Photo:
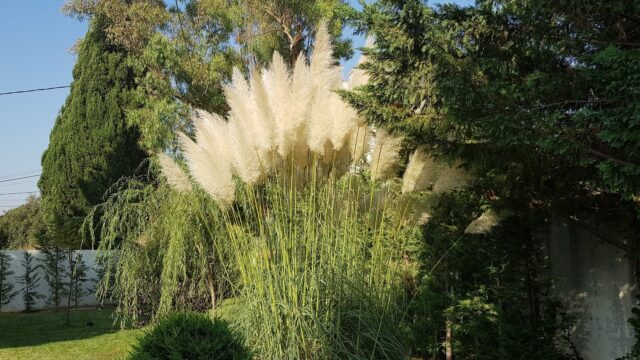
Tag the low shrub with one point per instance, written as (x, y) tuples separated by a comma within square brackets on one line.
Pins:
[(190, 336)]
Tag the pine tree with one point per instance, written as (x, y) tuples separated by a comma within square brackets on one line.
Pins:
[(53, 272), (91, 147), (77, 274), (30, 280), (6, 287)]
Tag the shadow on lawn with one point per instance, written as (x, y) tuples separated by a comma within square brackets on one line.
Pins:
[(37, 328)]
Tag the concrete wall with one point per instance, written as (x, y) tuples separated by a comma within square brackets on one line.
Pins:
[(17, 304), (597, 282)]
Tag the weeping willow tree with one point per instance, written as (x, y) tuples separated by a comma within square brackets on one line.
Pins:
[(165, 257)]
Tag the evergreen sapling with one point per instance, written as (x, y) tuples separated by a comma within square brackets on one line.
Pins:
[(53, 274), (29, 280), (7, 292)]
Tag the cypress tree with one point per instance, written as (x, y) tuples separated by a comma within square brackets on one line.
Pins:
[(91, 146)]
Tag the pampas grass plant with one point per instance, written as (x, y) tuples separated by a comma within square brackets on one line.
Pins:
[(285, 208), (318, 272), (317, 241)]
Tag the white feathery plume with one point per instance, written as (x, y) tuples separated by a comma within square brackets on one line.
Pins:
[(213, 175), (325, 79), (176, 178), (263, 122), (322, 59), (451, 178), (386, 155), (301, 91), (280, 115), (344, 121), (237, 95), (277, 83), (244, 156), (483, 224), (421, 173)]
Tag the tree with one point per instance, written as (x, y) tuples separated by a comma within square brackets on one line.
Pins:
[(289, 28), (91, 146), (30, 280), (184, 51), (53, 273), (6, 286), (509, 94), (77, 275), (23, 226), (540, 110)]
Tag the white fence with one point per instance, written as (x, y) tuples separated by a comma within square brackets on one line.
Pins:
[(17, 303), (597, 282)]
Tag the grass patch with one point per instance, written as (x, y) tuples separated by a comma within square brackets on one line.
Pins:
[(44, 335)]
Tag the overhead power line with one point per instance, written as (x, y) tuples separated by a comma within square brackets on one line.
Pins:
[(20, 193), (19, 178), (19, 183), (24, 173), (34, 90)]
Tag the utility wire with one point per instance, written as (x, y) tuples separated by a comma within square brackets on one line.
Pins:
[(19, 178), (19, 183), (19, 174), (34, 90)]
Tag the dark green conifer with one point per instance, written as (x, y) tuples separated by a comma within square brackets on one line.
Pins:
[(91, 146)]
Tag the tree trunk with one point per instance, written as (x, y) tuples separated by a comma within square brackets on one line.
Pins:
[(447, 343)]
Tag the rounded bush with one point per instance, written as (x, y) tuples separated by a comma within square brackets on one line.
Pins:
[(190, 336)]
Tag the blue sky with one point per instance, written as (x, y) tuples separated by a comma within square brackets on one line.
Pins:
[(36, 38)]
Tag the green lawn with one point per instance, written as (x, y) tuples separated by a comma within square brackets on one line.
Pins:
[(44, 335)]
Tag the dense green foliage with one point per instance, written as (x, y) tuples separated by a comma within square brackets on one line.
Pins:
[(184, 51), (190, 336), (492, 291), (540, 98), (167, 259), (30, 279), (7, 292), (91, 146), (22, 227)]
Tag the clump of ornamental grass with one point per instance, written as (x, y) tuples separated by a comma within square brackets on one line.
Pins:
[(317, 235)]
